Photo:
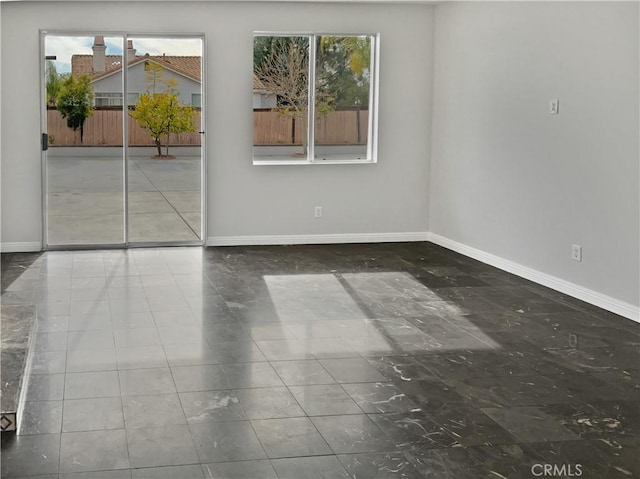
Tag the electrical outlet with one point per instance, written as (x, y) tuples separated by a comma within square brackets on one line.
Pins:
[(554, 107), (576, 252), (318, 211)]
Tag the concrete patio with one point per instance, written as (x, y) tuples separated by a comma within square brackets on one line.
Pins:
[(86, 203)]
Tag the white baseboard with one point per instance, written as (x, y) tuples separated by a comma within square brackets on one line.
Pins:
[(316, 239), (592, 297), (25, 247)]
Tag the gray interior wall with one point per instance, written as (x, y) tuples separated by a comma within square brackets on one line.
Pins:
[(387, 197), (510, 179)]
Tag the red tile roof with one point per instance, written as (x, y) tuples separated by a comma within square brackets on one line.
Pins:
[(185, 65)]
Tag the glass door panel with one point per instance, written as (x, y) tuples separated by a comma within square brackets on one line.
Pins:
[(343, 97), (84, 160), (164, 89)]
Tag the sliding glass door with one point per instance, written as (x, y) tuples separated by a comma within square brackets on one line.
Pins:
[(121, 146), (84, 155), (164, 82)]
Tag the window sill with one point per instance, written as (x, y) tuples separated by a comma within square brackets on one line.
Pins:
[(354, 161)]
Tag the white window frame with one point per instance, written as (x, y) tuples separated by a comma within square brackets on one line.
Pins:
[(372, 142), (115, 98), (112, 98)]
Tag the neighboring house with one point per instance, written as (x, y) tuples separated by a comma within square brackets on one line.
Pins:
[(261, 97), (105, 72)]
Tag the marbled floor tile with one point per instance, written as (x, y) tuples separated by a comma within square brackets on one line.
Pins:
[(268, 403), (529, 424), (146, 381), (226, 441), (161, 446), (261, 469), (352, 434), (539, 361), (601, 419), (584, 361), (284, 349), (626, 380), (155, 410), (513, 461), (380, 397), (400, 368), (300, 373), (290, 437), (586, 388), (351, 370), (208, 377), (473, 363), (405, 430), (430, 395), (30, 455), (91, 385), (191, 471), (211, 406), (320, 467), (236, 352), (92, 414), (380, 465), (619, 357), (251, 375), (469, 426), (324, 400), (335, 328), (447, 463), (93, 451), (142, 357), (508, 391)]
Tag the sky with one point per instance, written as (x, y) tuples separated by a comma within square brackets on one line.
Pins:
[(63, 47)]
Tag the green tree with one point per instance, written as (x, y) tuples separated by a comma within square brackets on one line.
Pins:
[(161, 112), (343, 69), (54, 82), (74, 102)]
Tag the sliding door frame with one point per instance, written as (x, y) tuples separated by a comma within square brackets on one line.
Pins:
[(125, 35)]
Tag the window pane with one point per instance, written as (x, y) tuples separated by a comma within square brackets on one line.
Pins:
[(342, 97), (133, 98), (196, 100), (280, 97)]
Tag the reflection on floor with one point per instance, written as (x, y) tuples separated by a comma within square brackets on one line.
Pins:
[(86, 204), (391, 360)]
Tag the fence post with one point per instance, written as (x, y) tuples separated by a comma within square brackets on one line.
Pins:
[(293, 130)]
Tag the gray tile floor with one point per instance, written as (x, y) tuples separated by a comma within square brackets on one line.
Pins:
[(363, 361)]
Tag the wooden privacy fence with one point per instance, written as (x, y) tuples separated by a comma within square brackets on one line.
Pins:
[(104, 128), (339, 127)]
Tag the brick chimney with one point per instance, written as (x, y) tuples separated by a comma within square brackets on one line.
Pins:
[(131, 52), (99, 57)]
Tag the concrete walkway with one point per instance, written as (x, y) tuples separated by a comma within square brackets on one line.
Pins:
[(86, 203)]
